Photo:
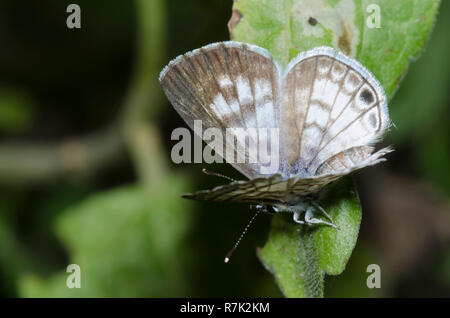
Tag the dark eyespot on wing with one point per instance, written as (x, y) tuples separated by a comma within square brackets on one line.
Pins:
[(367, 96), (373, 121)]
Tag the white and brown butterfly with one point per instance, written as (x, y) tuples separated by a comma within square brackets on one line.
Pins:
[(330, 111)]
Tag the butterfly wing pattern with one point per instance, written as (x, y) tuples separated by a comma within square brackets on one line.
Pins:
[(331, 104), (329, 109), (275, 189), (226, 85)]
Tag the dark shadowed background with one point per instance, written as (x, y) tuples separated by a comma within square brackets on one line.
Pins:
[(86, 175)]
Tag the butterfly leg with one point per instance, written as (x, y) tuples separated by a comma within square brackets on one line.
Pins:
[(297, 217), (317, 206), (310, 219)]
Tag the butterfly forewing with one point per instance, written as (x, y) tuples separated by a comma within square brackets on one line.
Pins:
[(227, 85)]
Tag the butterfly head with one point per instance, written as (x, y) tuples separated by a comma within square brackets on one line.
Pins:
[(269, 208)]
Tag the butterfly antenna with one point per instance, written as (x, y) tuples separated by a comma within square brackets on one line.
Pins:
[(228, 256), (211, 173)]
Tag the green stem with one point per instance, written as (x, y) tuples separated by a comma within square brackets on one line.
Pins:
[(309, 264), (30, 162), (145, 96)]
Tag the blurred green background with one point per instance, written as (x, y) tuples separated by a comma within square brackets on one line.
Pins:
[(86, 175)]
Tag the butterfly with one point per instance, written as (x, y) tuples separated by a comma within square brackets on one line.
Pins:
[(329, 110)]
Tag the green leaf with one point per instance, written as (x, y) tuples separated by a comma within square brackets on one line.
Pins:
[(128, 242), (299, 256), (16, 111), (420, 108), (283, 27)]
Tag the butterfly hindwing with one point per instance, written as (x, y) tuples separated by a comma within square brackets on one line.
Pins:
[(331, 103), (271, 190), (258, 190), (352, 159)]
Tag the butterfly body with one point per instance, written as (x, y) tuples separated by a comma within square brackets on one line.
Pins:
[(327, 109)]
